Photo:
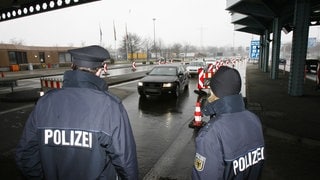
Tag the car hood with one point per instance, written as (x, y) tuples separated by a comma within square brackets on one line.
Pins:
[(159, 79)]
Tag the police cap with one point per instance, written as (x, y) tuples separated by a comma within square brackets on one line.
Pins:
[(90, 56), (226, 81)]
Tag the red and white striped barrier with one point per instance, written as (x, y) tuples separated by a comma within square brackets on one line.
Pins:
[(203, 76), (218, 64), (50, 83), (210, 68), (134, 67)]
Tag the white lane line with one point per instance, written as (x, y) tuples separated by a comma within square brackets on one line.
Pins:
[(17, 109)]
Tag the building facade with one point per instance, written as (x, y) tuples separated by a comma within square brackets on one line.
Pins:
[(19, 57)]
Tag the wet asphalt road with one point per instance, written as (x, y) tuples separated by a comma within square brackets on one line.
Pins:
[(156, 122)]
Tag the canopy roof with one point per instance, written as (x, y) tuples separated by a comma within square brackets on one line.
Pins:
[(254, 16), (11, 9)]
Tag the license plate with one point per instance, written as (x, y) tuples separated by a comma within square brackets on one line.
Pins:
[(152, 90)]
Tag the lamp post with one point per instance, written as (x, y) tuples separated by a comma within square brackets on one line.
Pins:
[(154, 36)]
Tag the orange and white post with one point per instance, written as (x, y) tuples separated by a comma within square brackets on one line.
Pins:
[(197, 116)]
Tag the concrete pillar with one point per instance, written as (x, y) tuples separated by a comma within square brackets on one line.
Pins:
[(261, 51), (265, 65), (299, 47), (274, 73)]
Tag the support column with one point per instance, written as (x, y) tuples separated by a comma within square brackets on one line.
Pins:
[(261, 52), (299, 47), (274, 73), (265, 65)]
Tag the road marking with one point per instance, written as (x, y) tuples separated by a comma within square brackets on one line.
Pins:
[(16, 109)]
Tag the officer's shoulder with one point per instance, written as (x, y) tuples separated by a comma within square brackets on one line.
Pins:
[(49, 93), (112, 97), (210, 126)]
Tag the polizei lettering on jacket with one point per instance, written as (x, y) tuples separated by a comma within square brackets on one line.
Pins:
[(248, 160), (75, 138)]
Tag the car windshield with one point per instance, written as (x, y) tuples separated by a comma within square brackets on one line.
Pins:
[(196, 63), (163, 71)]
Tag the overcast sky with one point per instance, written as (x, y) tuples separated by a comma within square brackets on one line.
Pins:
[(194, 22)]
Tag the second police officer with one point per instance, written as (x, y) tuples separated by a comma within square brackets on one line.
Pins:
[(231, 145)]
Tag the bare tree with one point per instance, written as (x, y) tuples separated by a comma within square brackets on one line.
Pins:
[(130, 43), (147, 44), (176, 48), (16, 42)]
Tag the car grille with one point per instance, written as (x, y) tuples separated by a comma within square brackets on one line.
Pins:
[(152, 88), (153, 85)]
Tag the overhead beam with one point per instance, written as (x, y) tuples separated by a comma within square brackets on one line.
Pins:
[(20, 8)]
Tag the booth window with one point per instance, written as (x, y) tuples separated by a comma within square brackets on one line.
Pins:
[(17, 57), (64, 57)]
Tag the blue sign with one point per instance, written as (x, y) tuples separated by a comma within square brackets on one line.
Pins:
[(254, 49), (312, 42)]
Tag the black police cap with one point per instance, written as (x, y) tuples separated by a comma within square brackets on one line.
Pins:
[(226, 81), (90, 56)]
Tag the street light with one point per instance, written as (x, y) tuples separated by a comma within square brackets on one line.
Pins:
[(154, 36)]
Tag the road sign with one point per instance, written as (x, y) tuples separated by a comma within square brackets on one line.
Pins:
[(254, 49), (312, 42)]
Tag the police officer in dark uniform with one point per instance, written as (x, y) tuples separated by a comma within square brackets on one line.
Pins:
[(80, 131), (231, 145)]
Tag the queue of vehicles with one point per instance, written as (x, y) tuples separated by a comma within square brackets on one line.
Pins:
[(169, 79), (194, 65)]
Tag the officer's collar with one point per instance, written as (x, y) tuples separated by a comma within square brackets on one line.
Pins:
[(78, 78), (227, 104)]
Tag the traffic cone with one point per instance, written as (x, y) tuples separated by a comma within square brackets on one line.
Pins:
[(197, 122), (197, 116)]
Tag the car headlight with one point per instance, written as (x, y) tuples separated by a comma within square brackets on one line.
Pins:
[(140, 83), (167, 85)]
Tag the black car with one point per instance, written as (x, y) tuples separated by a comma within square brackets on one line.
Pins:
[(282, 61), (311, 65), (169, 79)]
